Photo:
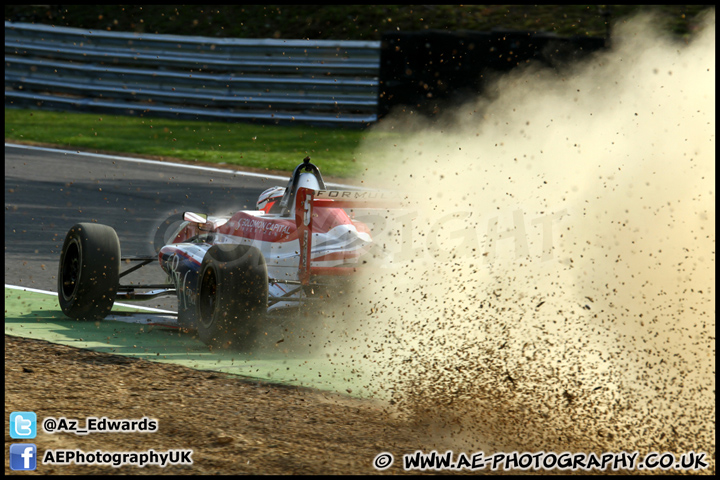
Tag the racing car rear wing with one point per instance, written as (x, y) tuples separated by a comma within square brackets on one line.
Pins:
[(308, 199)]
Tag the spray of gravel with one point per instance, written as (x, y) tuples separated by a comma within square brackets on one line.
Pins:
[(553, 281)]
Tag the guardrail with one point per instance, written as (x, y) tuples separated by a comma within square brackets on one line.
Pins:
[(312, 81)]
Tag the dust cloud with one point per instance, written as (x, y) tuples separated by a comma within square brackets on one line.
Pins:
[(554, 261)]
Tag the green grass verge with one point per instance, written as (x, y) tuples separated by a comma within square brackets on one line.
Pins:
[(265, 147)]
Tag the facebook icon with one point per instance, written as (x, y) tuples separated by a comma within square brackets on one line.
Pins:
[(23, 456)]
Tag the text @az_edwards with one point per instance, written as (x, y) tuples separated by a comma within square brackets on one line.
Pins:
[(99, 425)]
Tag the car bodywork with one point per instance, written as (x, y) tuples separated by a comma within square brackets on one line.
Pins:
[(333, 244), (306, 241)]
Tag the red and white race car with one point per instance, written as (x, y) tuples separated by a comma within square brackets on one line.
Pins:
[(228, 272)]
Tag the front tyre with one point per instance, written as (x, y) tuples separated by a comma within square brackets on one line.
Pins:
[(232, 295), (89, 271)]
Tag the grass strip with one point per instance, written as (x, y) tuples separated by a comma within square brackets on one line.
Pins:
[(263, 147)]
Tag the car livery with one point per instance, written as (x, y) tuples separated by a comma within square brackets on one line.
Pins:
[(228, 272)]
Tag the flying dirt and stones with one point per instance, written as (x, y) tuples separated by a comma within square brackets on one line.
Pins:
[(555, 289)]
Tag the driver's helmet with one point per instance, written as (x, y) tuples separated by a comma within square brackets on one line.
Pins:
[(269, 197)]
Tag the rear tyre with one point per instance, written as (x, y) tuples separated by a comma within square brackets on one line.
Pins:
[(232, 296), (89, 271)]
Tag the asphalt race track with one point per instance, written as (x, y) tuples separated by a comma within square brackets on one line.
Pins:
[(46, 192)]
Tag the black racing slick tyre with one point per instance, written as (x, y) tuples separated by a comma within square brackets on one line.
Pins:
[(89, 271), (232, 296)]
